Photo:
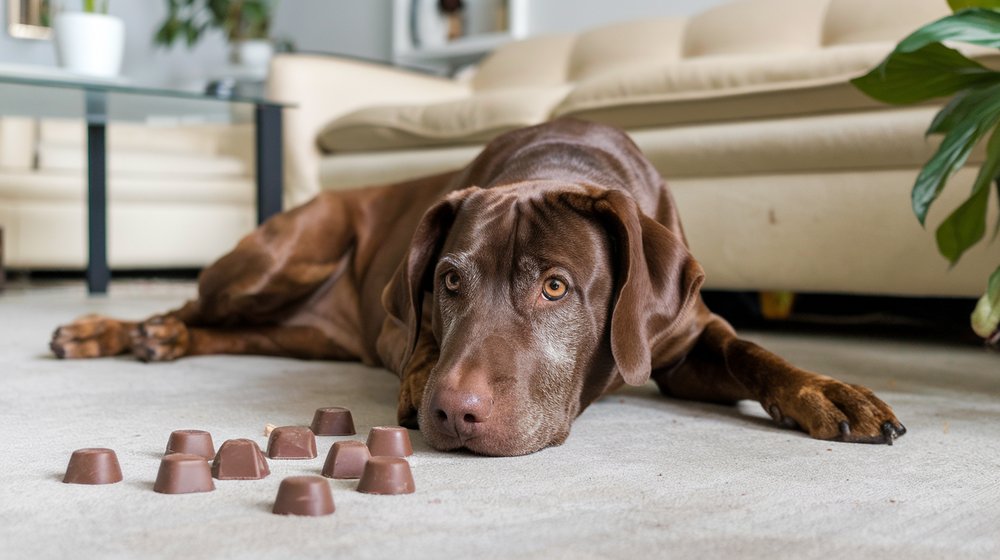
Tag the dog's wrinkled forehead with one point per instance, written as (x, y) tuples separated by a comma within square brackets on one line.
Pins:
[(526, 227)]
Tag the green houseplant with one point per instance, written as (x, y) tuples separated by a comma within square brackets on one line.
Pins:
[(240, 20), (922, 68)]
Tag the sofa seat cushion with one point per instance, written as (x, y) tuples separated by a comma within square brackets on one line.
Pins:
[(727, 87), (475, 119), (361, 169), (863, 140)]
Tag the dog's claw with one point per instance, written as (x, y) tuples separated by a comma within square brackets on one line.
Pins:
[(845, 428), (780, 419), (775, 413), (890, 432)]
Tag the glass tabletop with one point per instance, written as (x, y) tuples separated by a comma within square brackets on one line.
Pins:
[(110, 100)]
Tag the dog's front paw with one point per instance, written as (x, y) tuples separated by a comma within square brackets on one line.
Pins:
[(160, 339), (829, 409), (90, 336)]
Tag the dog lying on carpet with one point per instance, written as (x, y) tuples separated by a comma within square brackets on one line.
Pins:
[(507, 296)]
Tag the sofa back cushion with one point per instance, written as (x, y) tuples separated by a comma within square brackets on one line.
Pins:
[(535, 62), (612, 47), (756, 26), (864, 21)]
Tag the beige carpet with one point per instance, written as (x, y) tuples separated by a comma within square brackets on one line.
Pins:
[(639, 477)]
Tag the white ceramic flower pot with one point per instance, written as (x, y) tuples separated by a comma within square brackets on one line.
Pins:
[(90, 44), (253, 55)]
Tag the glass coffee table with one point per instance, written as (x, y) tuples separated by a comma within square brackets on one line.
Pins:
[(100, 102)]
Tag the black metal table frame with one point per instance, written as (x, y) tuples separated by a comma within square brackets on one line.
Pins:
[(267, 120)]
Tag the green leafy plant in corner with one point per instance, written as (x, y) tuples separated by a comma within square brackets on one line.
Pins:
[(922, 68), (95, 7), (240, 20)]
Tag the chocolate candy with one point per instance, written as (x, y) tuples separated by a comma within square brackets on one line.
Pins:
[(240, 459), (182, 473), (346, 460), (95, 465), (393, 441), (291, 442), (192, 442), (333, 421), (304, 495), (386, 475)]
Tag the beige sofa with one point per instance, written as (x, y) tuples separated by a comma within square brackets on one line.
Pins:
[(787, 178), (179, 196)]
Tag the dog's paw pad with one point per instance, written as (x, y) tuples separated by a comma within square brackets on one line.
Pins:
[(160, 339)]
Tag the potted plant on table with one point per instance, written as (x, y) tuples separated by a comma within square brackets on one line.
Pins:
[(922, 68), (90, 42), (246, 24)]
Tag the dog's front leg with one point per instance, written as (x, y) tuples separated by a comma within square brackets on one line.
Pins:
[(414, 381), (724, 367)]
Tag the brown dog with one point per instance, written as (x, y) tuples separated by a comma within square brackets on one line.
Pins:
[(507, 296)]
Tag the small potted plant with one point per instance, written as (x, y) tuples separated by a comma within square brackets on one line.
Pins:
[(246, 24), (90, 42)]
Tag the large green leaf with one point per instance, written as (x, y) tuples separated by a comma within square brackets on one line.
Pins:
[(969, 118), (996, 226), (959, 5), (929, 72), (986, 316), (964, 227), (976, 26), (953, 112)]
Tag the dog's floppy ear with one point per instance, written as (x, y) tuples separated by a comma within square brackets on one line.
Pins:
[(657, 282), (403, 296)]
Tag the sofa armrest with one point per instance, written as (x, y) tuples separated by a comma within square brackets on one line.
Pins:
[(18, 142), (324, 88)]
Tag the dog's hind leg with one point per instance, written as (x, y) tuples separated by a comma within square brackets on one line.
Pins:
[(277, 266), (166, 338)]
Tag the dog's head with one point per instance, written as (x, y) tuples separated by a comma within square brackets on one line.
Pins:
[(540, 299)]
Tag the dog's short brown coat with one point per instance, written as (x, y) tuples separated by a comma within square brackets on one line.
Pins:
[(448, 282)]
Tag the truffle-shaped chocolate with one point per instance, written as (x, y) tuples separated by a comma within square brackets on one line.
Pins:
[(392, 441), (240, 459), (93, 466), (192, 442), (346, 460), (386, 475), (304, 495), (291, 442), (333, 421), (181, 473)]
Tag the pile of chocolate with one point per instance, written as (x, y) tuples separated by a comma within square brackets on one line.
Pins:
[(380, 463)]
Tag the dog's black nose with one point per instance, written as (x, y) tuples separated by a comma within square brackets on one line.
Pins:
[(459, 413)]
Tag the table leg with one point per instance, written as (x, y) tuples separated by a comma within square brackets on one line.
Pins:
[(269, 164), (98, 273)]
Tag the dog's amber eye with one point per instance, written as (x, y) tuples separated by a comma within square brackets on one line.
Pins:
[(452, 281), (553, 289)]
